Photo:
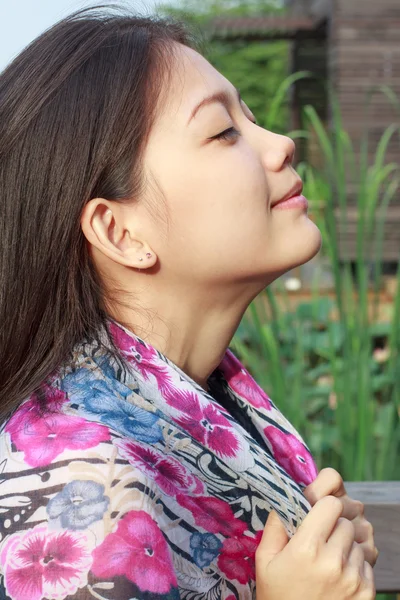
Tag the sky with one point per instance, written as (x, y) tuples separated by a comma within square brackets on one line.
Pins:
[(23, 20)]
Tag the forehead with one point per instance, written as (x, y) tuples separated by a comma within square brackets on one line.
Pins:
[(192, 79)]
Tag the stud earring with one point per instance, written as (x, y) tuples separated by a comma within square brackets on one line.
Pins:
[(140, 258), (148, 254)]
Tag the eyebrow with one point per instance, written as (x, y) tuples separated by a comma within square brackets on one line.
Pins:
[(223, 97)]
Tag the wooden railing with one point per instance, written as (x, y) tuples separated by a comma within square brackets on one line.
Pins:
[(382, 509)]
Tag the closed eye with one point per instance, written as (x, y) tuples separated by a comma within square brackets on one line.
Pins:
[(228, 134)]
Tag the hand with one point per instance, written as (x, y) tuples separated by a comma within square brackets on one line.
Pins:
[(330, 483), (320, 562)]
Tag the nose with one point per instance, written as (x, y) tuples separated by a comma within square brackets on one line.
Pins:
[(278, 151)]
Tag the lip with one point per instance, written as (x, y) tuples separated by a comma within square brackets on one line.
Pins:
[(294, 193), (293, 202)]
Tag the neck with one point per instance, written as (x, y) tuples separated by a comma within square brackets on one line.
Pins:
[(192, 329)]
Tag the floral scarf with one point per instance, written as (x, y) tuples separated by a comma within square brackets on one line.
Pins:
[(137, 484)]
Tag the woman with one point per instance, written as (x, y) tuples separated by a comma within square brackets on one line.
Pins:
[(143, 210)]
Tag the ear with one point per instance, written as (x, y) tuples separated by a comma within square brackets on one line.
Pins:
[(105, 225)]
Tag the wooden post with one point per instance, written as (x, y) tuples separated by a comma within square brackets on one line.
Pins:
[(382, 509)]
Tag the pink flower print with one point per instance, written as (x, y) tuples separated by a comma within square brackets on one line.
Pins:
[(137, 550), (292, 455), (39, 563), (242, 383), (55, 398), (237, 558), (42, 439), (32, 409), (205, 423), (236, 567), (212, 514), (131, 346), (142, 355), (169, 474)]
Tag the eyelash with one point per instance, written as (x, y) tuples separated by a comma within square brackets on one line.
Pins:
[(229, 134)]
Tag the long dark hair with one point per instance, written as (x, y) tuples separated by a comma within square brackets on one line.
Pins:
[(76, 107)]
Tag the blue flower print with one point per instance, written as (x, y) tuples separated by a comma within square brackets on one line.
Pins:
[(112, 373), (79, 504), (205, 547), (83, 382), (126, 419), (97, 398)]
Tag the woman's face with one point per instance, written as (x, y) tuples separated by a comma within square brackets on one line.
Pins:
[(221, 175)]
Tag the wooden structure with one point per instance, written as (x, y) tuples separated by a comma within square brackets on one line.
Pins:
[(362, 48), (382, 509), (354, 45)]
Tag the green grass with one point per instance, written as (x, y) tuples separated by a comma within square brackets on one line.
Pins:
[(324, 373)]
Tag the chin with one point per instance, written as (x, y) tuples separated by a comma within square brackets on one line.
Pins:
[(304, 246), (310, 246)]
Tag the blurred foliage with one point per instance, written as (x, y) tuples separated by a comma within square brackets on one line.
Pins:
[(330, 364), (269, 66), (256, 68), (194, 10)]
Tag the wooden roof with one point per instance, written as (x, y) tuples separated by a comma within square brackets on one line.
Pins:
[(263, 27), (318, 9)]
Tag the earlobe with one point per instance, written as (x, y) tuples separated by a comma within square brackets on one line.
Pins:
[(138, 258)]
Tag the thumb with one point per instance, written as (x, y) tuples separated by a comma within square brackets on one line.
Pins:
[(273, 540)]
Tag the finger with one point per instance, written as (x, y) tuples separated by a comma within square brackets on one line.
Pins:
[(356, 559), (368, 574), (352, 509), (370, 553), (342, 539), (319, 523), (368, 580), (364, 530), (364, 535), (328, 483), (358, 573), (273, 540)]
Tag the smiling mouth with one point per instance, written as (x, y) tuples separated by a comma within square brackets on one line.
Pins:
[(293, 197)]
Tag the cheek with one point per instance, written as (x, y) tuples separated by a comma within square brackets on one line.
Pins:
[(217, 203), (223, 212), (227, 186)]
